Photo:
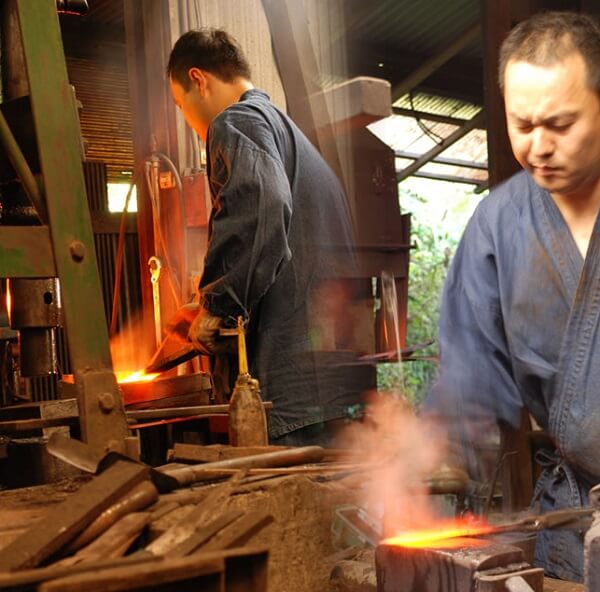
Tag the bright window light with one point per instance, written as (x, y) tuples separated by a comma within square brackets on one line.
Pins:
[(117, 192)]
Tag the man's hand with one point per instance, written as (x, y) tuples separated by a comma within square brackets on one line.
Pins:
[(194, 323), (204, 335), (204, 332), (179, 324)]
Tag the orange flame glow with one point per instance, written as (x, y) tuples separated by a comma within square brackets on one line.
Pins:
[(446, 535), (8, 302), (139, 376)]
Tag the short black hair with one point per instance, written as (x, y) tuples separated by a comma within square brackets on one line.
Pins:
[(212, 50), (549, 37)]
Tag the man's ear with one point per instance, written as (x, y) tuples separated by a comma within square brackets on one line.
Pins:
[(198, 78)]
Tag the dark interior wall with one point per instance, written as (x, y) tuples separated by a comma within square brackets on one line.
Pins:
[(97, 67), (96, 60)]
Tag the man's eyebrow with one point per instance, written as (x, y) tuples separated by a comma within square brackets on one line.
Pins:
[(567, 114)]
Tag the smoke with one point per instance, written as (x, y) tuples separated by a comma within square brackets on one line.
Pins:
[(402, 451)]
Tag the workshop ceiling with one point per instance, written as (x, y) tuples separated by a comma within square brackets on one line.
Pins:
[(391, 39), (106, 12)]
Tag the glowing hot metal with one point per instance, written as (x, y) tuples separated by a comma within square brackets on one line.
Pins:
[(445, 535), (139, 376)]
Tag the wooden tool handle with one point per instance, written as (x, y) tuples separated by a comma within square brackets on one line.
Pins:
[(242, 354)]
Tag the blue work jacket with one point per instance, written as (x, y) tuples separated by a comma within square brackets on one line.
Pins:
[(279, 230), (519, 326)]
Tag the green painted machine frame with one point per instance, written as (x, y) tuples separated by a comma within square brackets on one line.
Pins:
[(64, 248)]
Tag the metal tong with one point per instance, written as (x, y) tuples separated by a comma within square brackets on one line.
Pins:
[(161, 363), (569, 518)]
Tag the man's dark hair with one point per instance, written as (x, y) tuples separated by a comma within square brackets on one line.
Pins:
[(212, 50), (550, 37)]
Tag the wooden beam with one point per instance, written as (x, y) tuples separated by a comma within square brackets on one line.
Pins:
[(433, 63), (480, 185), (297, 64), (438, 148), (496, 23), (458, 162), (415, 114)]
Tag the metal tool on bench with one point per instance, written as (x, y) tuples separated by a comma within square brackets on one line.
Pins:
[(79, 455)]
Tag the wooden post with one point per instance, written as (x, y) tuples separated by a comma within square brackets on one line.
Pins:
[(496, 23)]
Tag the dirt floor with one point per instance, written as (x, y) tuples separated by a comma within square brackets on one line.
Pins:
[(300, 539)]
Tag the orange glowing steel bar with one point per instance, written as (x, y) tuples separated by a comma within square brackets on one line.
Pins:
[(139, 376), (444, 535)]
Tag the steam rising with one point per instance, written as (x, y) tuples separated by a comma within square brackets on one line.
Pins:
[(403, 450)]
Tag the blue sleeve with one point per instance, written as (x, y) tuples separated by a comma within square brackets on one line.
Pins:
[(249, 226), (475, 376)]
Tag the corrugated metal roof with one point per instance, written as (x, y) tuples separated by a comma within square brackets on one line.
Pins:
[(438, 105), (408, 136)]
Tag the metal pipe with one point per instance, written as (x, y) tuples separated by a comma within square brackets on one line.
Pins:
[(17, 159)]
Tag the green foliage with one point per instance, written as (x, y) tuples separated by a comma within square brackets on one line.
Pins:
[(429, 262)]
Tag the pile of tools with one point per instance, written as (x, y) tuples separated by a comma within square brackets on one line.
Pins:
[(114, 532)]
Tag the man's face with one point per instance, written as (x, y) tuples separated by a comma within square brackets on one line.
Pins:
[(554, 124), (194, 106)]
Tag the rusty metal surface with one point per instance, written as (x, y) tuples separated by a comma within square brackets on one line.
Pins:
[(199, 383), (229, 571), (136, 500), (527, 579), (48, 535), (405, 569)]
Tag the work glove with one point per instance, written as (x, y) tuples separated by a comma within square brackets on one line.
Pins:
[(179, 324), (205, 337), (194, 323), (204, 332)]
